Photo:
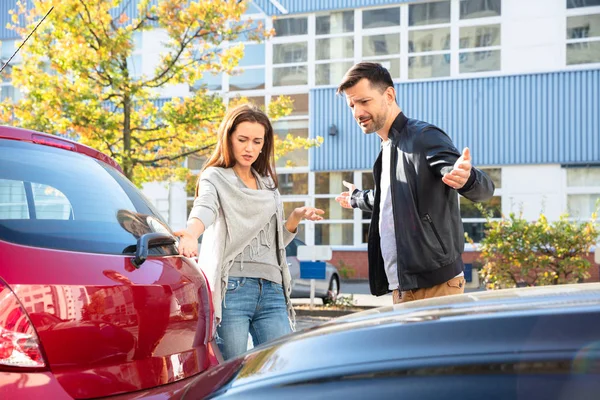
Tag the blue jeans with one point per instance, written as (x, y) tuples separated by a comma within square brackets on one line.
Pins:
[(255, 306)]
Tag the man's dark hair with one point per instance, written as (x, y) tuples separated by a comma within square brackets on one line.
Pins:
[(375, 73)]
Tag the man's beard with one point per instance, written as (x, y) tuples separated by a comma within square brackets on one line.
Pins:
[(376, 124)]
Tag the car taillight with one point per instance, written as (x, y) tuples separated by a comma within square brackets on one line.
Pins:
[(19, 344)]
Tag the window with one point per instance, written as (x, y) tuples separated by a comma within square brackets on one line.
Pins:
[(250, 73), (337, 22), (381, 38), (429, 48), (480, 33), (286, 53), (473, 220), (293, 184), (338, 226), (480, 8), (381, 18), (300, 104), (582, 3), (210, 81), (59, 199), (583, 191), (334, 47), (290, 53), (583, 39), (248, 79), (429, 13), (295, 158), (290, 26)]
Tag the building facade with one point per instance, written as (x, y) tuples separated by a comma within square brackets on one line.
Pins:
[(517, 81)]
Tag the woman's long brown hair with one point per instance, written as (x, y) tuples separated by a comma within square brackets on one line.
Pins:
[(223, 154)]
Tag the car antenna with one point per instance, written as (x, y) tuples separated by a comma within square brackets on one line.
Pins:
[(25, 41)]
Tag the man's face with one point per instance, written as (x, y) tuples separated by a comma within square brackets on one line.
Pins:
[(370, 107)]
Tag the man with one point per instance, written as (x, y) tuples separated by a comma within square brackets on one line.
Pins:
[(416, 236)]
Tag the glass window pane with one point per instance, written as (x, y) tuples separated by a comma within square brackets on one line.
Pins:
[(13, 201), (468, 209), (367, 181), (333, 210), (381, 18), (583, 53), (50, 203), (285, 53), (582, 3), (479, 61), (475, 230), (381, 45), (79, 203), (288, 76), (331, 182), (480, 8), (582, 205), (249, 79), (495, 174), (429, 13), (210, 81), (300, 103), (331, 74), (479, 36), (334, 234), (290, 26), (337, 22), (429, 40), (422, 67), (583, 26), (254, 54), (293, 184), (7, 48), (296, 158), (10, 92), (583, 176), (340, 47)]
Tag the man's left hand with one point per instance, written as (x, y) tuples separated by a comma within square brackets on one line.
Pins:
[(458, 177)]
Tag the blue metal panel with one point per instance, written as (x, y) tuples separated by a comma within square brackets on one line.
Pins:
[(521, 119), (5, 18), (308, 6)]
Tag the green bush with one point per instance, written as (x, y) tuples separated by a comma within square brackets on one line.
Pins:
[(516, 252)]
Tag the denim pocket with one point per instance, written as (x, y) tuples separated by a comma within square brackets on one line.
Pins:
[(277, 287), (234, 284)]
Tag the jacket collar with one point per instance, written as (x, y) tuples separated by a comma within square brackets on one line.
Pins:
[(397, 127)]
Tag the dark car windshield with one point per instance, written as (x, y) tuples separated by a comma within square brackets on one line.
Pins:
[(60, 199)]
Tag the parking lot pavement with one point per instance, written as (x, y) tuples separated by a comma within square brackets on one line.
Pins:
[(304, 322)]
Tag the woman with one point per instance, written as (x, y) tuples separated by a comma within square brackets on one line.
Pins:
[(239, 210)]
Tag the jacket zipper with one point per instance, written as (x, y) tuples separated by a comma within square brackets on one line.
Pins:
[(437, 235)]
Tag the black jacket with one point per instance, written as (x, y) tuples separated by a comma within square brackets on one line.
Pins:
[(429, 230)]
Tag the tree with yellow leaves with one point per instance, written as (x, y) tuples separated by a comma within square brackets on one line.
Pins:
[(78, 79)]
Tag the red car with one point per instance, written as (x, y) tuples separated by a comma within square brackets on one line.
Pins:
[(94, 299)]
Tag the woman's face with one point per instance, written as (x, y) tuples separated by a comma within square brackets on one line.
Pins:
[(247, 141)]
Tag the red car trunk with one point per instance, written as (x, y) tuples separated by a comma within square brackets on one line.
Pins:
[(106, 328)]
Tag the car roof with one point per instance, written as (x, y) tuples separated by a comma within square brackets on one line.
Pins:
[(26, 135), (486, 326)]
